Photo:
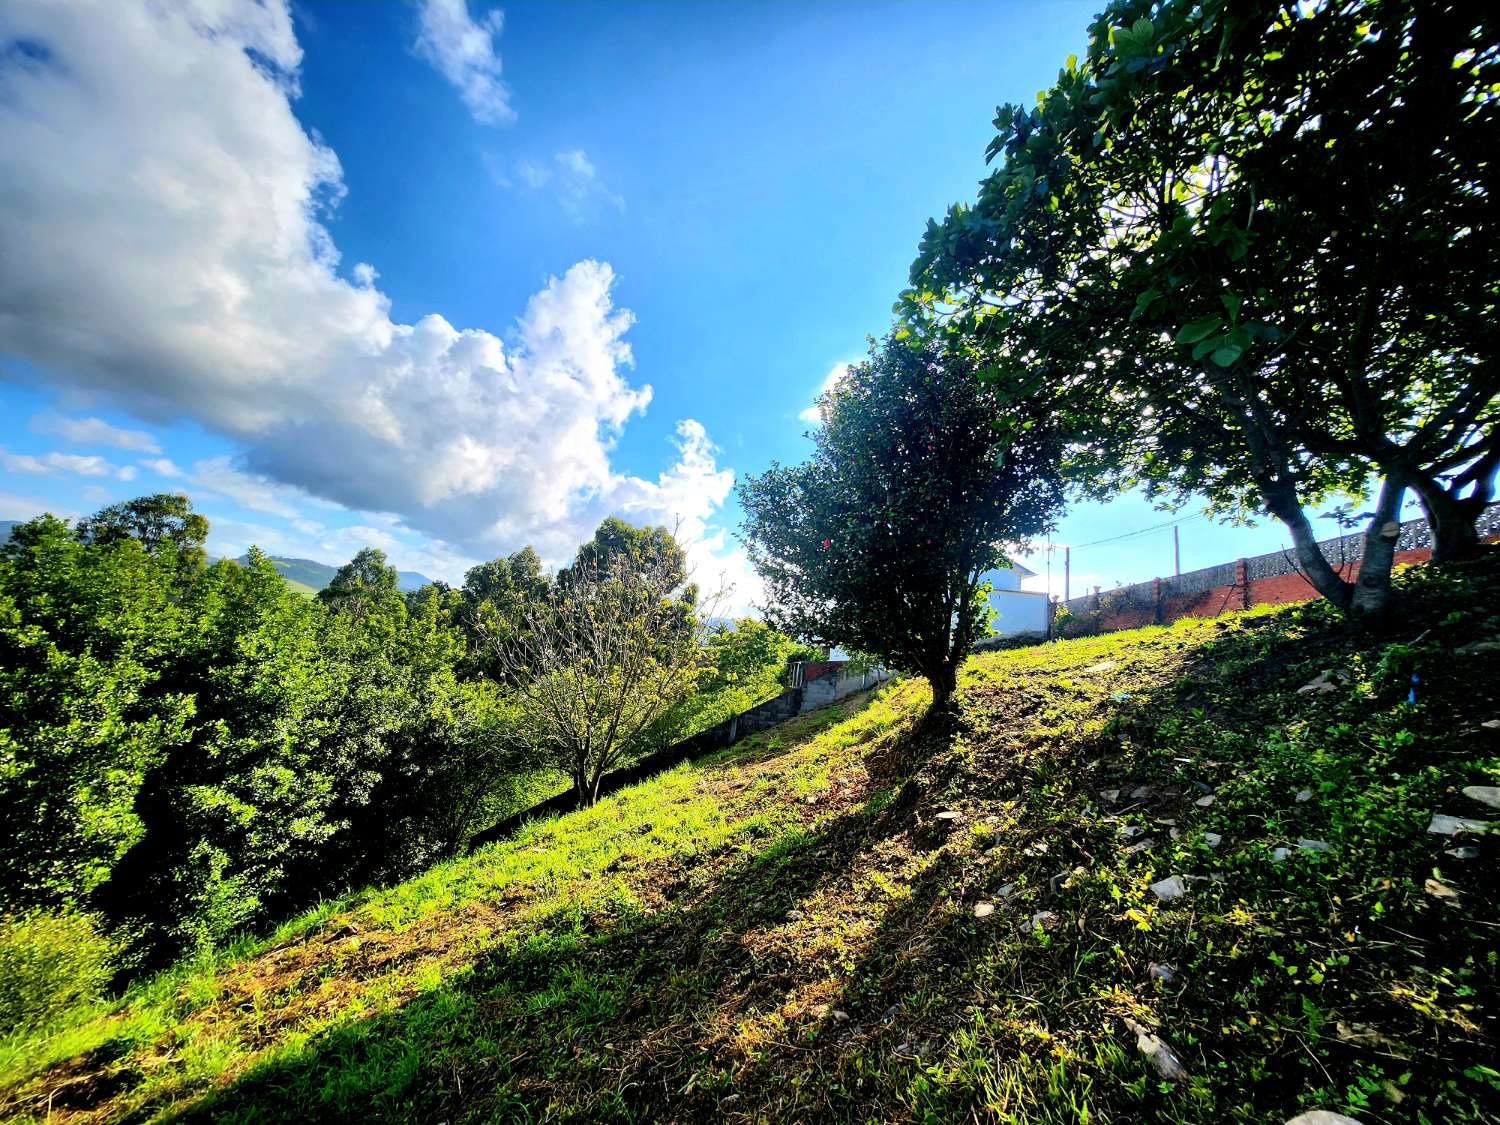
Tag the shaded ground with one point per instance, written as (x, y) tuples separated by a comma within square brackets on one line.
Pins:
[(792, 931)]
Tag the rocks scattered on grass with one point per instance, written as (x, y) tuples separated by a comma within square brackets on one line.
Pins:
[(1169, 888), (1162, 972), (1323, 1117), (1140, 792), (1110, 795), (1102, 666), (1491, 725), (1043, 919), (1484, 794), (1324, 682), (983, 910), (1462, 853), (1439, 889), (1303, 796), (1314, 845), (1445, 825), (1478, 647), (1130, 831), (1204, 802), (1279, 855), (1035, 849), (1159, 1051), (1212, 839), (1142, 846), (949, 817)]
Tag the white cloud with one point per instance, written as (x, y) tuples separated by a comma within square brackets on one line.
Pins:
[(161, 208), (812, 414), (93, 431), (49, 464), (463, 51), (162, 467), (218, 476), (14, 506), (572, 178)]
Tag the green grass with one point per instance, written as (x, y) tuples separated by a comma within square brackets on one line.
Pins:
[(787, 931)]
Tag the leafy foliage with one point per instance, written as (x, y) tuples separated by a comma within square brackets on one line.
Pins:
[(188, 751), (878, 542), (1249, 250), (50, 965)]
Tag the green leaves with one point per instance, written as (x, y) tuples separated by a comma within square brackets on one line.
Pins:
[(1196, 330)]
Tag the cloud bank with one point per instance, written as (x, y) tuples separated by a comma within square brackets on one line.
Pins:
[(162, 210)]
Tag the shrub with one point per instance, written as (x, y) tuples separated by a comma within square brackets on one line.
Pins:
[(49, 965)]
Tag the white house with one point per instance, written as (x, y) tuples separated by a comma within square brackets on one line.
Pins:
[(1016, 611)]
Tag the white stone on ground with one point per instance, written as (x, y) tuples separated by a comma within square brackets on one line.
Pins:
[(1169, 888), (1445, 825), (1484, 794)]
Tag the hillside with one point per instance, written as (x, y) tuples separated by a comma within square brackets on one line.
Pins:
[(309, 576), (863, 915)]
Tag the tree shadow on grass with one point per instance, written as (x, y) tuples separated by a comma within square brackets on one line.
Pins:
[(608, 1016)]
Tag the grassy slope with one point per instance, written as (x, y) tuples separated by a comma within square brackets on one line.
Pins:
[(788, 932)]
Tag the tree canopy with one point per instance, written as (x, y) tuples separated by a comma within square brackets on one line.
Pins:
[(919, 480), (1249, 250)]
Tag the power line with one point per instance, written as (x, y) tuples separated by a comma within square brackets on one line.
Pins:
[(1139, 531)]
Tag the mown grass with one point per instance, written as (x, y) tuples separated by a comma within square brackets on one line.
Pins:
[(789, 931)]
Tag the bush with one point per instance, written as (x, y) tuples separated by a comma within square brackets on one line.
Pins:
[(49, 965)]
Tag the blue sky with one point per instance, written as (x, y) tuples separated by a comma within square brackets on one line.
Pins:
[(402, 274)]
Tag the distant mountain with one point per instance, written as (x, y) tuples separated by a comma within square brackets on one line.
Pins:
[(312, 575)]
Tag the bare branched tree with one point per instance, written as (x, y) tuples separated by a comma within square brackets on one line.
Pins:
[(600, 659)]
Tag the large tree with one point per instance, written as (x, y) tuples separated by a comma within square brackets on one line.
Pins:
[(1251, 249), (922, 474)]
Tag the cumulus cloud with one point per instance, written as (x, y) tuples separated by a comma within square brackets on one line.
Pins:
[(812, 414), (50, 464), (463, 51), (162, 212), (93, 431)]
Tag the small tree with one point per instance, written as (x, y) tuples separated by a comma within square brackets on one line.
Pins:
[(877, 544), (614, 646)]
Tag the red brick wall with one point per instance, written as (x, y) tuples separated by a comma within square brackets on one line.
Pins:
[(1287, 588), (1281, 590)]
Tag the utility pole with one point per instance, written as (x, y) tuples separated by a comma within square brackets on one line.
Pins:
[(1067, 572), (1176, 553)]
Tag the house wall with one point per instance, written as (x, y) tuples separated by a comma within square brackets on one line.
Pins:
[(1019, 612)]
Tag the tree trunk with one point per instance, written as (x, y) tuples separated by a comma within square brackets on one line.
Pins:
[(1450, 521), (1451, 518), (1282, 502), (944, 681), (1372, 592)]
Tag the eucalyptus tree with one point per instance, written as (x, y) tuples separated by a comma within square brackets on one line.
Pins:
[(922, 474), (1250, 249)]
